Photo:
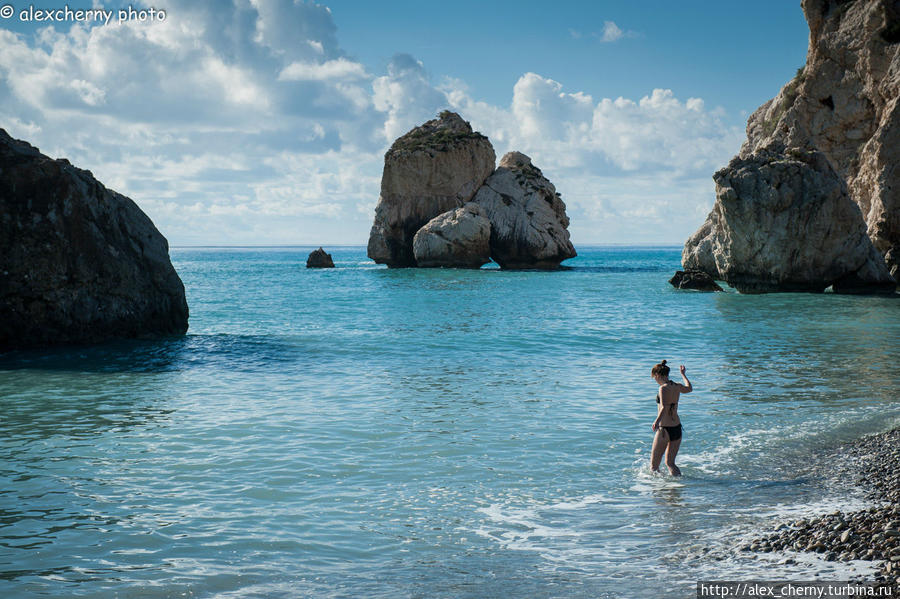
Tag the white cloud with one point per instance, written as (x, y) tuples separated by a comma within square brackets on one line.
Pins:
[(620, 164), (248, 123), (340, 68), (406, 95), (657, 133), (611, 32)]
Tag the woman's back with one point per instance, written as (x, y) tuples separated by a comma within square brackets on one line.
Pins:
[(669, 393)]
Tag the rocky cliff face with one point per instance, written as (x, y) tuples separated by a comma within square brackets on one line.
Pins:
[(528, 218), (783, 221), (78, 263), (844, 103), (435, 168)]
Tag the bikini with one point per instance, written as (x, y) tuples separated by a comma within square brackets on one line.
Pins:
[(673, 431)]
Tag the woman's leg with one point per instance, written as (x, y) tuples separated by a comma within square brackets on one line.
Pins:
[(660, 441), (671, 452)]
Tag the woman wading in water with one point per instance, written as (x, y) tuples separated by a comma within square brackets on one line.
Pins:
[(667, 424)]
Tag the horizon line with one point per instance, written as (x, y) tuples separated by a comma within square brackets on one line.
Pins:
[(354, 245)]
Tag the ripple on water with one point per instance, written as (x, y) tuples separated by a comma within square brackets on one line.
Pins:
[(375, 432)]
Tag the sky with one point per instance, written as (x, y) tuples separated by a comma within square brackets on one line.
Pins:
[(265, 122)]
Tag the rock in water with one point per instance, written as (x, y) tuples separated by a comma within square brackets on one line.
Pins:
[(783, 221), (528, 218), (319, 259), (434, 168), (694, 279), (78, 263), (845, 102), (458, 238)]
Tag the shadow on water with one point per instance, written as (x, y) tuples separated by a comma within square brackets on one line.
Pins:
[(234, 352)]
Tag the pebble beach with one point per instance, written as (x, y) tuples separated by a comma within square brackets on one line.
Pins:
[(871, 534)]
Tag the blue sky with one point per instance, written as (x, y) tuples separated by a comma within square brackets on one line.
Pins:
[(265, 121)]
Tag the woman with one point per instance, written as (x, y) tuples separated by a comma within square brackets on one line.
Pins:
[(667, 424)]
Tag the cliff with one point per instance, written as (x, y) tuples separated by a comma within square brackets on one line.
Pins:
[(843, 103)]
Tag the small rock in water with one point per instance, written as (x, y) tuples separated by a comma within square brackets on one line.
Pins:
[(319, 259), (695, 279)]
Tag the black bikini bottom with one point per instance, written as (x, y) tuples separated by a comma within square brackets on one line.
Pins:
[(674, 432)]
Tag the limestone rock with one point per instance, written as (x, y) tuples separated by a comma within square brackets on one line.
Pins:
[(319, 259), (434, 168), (698, 249), (694, 279), (528, 218), (783, 221), (79, 263), (845, 102), (458, 238)]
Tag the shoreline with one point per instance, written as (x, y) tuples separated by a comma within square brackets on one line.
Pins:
[(871, 534)]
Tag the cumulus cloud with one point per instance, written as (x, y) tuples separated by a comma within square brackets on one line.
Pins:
[(406, 95), (657, 133), (192, 111), (620, 164), (248, 123)]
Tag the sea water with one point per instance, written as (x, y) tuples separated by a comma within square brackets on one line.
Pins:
[(366, 432)]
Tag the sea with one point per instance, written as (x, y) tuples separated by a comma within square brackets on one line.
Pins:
[(438, 433)]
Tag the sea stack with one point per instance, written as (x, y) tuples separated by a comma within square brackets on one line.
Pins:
[(434, 168), (529, 226), (425, 218), (842, 105), (79, 263)]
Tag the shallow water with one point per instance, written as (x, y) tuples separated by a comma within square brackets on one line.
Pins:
[(432, 433)]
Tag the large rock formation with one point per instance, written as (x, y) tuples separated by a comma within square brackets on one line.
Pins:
[(528, 218), (845, 102), (434, 168), (459, 238), (783, 221), (78, 263)]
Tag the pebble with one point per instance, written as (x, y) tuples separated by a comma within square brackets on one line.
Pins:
[(872, 534)]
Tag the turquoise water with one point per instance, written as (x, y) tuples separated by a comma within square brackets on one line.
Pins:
[(364, 432)]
